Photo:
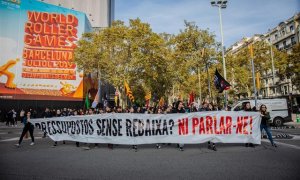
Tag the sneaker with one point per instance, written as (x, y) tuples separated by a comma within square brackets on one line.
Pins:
[(274, 145), (214, 148), (86, 148), (181, 149), (31, 144), (17, 145)]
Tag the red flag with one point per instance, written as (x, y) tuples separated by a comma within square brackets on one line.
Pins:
[(192, 97)]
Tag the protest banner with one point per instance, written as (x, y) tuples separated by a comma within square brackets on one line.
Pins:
[(125, 128)]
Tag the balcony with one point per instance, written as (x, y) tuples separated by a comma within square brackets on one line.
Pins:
[(280, 38), (287, 46)]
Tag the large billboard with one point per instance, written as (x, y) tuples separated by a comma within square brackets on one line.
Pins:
[(37, 42)]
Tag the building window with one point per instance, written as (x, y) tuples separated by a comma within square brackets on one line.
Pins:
[(291, 28), (283, 32), (293, 40), (284, 43), (266, 81), (276, 36), (277, 46), (285, 90)]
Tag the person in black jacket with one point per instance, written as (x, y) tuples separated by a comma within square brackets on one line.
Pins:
[(209, 144), (46, 114), (58, 114), (180, 109), (28, 127), (265, 117)]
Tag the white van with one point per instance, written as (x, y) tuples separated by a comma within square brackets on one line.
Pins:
[(278, 109)]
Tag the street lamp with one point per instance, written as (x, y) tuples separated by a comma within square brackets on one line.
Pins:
[(272, 58), (222, 5)]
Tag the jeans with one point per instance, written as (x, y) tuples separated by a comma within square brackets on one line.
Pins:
[(267, 129)]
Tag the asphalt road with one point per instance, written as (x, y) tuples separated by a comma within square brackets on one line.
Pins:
[(66, 161)]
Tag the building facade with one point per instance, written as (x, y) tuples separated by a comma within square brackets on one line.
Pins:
[(283, 37), (236, 47), (286, 34), (99, 12)]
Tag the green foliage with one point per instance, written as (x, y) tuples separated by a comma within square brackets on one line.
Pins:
[(193, 48), (165, 64), (239, 65), (133, 53), (293, 66)]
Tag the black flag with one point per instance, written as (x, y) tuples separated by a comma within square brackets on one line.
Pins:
[(220, 83)]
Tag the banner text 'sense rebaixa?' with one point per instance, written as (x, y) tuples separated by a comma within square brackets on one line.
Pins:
[(108, 127)]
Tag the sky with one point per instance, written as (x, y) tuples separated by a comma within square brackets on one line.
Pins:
[(241, 18)]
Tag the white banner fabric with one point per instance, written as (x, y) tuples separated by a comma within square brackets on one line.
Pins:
[(134, 129)]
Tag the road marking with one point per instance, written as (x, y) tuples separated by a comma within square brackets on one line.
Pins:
[(294, 137), (283, 144), (17, 138)]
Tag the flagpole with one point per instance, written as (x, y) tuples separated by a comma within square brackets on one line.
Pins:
[(208, 79), (99, 86), (199, 78), (253, 75)]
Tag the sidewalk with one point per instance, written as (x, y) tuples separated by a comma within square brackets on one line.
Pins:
[(19, 126), (294, 123)]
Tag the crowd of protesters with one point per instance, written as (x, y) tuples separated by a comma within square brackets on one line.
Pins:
[(11, 117)]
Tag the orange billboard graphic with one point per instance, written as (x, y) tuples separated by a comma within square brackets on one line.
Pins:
[(49, 43), (37, 51)]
